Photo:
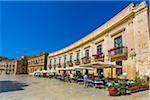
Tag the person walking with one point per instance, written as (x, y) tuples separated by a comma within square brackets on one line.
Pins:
[(85, 78)]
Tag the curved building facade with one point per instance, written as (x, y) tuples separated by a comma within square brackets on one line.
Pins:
[(121, 45)]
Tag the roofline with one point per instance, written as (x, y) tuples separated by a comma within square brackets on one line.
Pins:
[(107, 26)]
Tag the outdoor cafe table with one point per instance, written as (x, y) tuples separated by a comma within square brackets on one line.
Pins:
[(90, 82), (58, 77), (80, 80), (98, 82)]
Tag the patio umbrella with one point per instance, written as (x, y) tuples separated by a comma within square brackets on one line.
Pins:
[(106, 65), (103, 65), (82, 68)]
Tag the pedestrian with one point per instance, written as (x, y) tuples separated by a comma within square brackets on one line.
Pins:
[(85, 78)]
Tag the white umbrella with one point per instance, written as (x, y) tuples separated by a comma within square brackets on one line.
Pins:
[(82, 68), (106, 65), (70, 68)]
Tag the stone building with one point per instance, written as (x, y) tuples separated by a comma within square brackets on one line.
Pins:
[(3, 58), (8, 66), (13, 66), (38, 62), (22, 64), (123, 41)]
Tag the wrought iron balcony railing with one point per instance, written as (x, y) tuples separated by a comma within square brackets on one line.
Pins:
[(86, 60), (59, 65), (99, 57), (77, 62), (118, 53), (70, 63)]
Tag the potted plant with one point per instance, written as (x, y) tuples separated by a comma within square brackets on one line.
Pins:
[(145, 84), (122, 88), (132, 87), (138, 85), (113, 91)]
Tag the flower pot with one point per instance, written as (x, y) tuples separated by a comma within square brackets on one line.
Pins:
[(113, 91), (133, 89), (146, 87), (141, 88), (137, 88)]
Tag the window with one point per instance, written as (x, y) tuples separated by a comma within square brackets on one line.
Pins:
[(36, 61), (55, 61), (119, 63), (42, 60), (70, 57), (64, 58), (118, 41), (99, 49), (23, 64), (78, 56), (99, 71), (119, 70), (59, 60), (87, 53)]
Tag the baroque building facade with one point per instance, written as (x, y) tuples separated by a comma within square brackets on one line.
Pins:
[(123, 41), (37, 63)]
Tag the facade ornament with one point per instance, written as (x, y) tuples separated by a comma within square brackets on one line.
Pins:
[(132, 53)]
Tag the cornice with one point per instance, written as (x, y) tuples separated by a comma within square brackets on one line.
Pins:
[(122, 17)]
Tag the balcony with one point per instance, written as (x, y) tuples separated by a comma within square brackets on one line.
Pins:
[(64, 64), (58, 65), (86, 60), (99, 57), (118, 54), (70, 63), (77, 62)]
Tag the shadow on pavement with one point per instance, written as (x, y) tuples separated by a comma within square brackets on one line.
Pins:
[(10, 86)]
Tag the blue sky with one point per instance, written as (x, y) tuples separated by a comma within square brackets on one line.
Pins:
[(30, 28)]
